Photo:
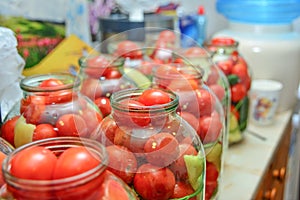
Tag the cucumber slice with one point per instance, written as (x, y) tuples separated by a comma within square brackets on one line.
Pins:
[(138, 78), (195, 167)]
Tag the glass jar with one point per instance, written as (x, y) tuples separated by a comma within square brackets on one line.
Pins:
[(212, 76), (154, 150), (96, 182), (203, 111), (52, 106), (267, 40), (225, 55)]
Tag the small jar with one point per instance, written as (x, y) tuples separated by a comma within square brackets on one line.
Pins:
[(91, 184), (200, 107), (225, 55), (159, 153), (52, 106)]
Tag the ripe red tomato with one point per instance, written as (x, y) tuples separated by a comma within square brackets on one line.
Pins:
[(96, 66), (195, 52), (238, 92), (7, 129), (112, 188), (91, 88), (211, 183), (103, 103), (92, 119), (179, 167), (210, 128), (162, 149), (2, 157), (152, 97), (33, 108), (133, 119), (51, 82), (106, 134), (122, 162), (213, 76), (223, 41), (191, 119), (43, 131), (71, 125), (128, 49), (149, 180), (182, 189), (206, 102), (35, 163), (74, 161), (225, 66), (167, 36), (112, 73), (218, 90)]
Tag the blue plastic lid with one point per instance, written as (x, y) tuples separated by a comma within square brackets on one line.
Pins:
[(259, 11)]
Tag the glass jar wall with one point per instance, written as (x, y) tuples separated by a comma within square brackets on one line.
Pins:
[(151, 147), (52, 106), (226, 56)]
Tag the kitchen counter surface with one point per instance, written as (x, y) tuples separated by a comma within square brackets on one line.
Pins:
[(246, 162)]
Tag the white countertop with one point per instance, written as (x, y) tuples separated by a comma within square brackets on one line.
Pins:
[(246, 162)]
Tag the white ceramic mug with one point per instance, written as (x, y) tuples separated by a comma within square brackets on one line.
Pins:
[(264, 100)]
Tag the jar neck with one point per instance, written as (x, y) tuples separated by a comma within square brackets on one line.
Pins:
[(118, 105), (260, 28)]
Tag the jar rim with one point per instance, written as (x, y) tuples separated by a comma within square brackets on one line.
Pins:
[(135, 92), (31, 83)]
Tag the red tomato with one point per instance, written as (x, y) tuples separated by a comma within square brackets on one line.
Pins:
[(152, 97), (162, 149), (218, 90), (71, 125), (112, 188), (2, 157), (43, 131), (51, 82), (122, 162), (112, 73), (183, 83), (211, 183), (182, 189), (225, 66), (103, 103), (167, 35), (191, 119), (179, 167), (153, 182), (91, 88), (35, 163), (210, 128), (33, 109), (195, 52), (213, 76), (74, 161), (96, 66), (206, 102), (129, 49), (133, 119), (92, 120), (238, 92), (106, 134), (223, 41), (7, 129)]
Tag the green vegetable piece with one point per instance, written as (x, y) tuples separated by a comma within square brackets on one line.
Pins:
[(138, 78), (233, 79), (195, 167)]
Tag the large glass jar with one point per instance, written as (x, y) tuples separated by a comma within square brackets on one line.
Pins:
[(226, 56), (151, 147), (59, 173), (52, 106), (200, 107), (212, 76)]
